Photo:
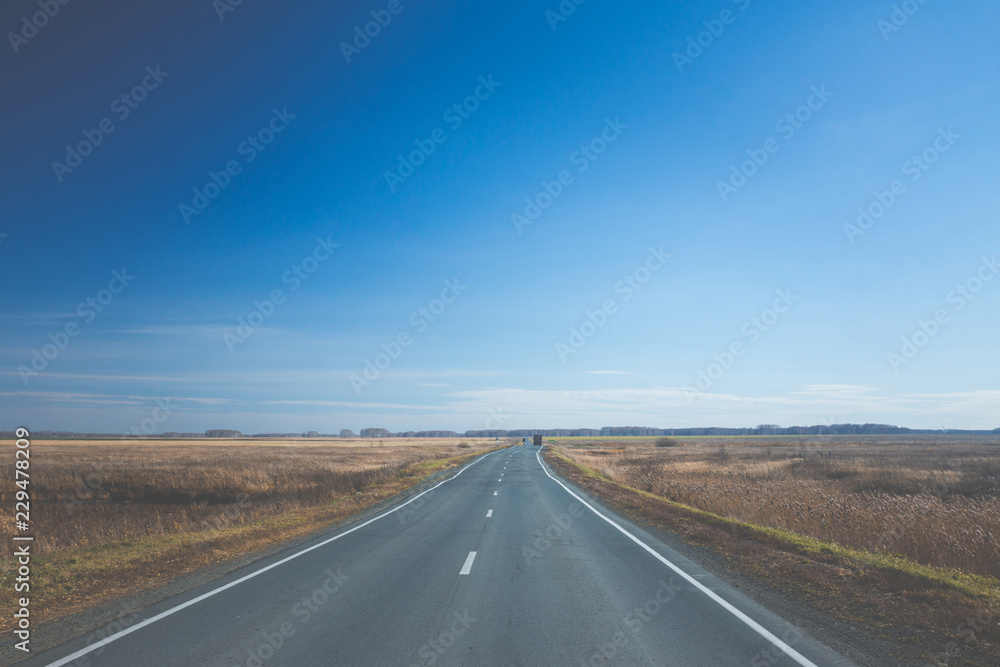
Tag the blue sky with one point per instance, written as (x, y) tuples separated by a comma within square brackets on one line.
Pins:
[(894, 322)]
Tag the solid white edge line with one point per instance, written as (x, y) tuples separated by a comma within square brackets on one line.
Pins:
[(204, 596), (754, 625)]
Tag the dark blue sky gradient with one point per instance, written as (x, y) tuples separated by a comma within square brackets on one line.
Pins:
[(826, 360)]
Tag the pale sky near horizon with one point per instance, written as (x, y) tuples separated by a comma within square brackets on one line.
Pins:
[(536, 222)]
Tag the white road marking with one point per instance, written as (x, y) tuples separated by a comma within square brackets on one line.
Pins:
[(494, 493), (489, 513), (468, 563), (754, 625), (204, 596)]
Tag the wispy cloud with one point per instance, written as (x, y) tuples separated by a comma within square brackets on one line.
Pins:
[(350, 404), (840, 390), (199, 331), (73, 398), (116, 378), (525, 408), (70, 397), (38, 317), (669, 406)]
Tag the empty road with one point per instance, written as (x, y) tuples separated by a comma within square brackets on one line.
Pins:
[(499, 565)]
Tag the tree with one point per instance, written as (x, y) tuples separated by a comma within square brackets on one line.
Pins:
[(346, 433)]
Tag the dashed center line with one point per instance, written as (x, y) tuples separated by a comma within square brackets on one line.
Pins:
[(494, 493), (98, 645), (468, 563), (489, 513)]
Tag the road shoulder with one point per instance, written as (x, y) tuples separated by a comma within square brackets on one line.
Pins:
[(867, 615), (111, 615)]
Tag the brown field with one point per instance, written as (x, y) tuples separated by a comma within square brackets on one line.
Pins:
[(114, 519), (90, 492), (934, 500)]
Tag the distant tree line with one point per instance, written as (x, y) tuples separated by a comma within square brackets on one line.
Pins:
[(763, 429), (648, 431), (633, 431)]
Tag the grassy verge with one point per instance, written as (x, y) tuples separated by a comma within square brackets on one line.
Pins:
[(72, 580), (946, 616)]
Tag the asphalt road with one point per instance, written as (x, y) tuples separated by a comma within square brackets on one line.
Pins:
[(499, 565)]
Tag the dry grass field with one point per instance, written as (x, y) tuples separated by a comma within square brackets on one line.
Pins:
[(111, 518), (933, 499), (887, 540), (91, 492)]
